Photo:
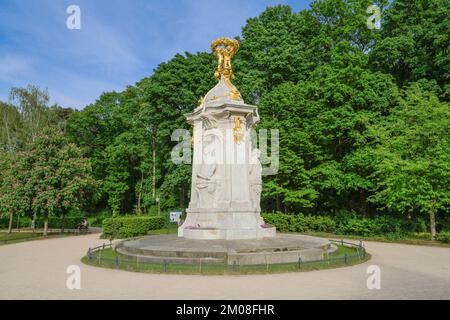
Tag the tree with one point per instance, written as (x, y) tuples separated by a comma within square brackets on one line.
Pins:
[(13, 196), (58, 178), (413, 167), (10, 130), (415, 42)]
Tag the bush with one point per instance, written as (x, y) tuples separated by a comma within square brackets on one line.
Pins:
[(24, 222), (348, 223), (59, 223), (300, 223), (443, 237), (97, 220), (128, 227)]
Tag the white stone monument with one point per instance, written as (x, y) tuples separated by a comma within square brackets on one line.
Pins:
[(226, 171)]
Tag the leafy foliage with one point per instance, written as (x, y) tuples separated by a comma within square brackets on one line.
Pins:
[(127, 227)]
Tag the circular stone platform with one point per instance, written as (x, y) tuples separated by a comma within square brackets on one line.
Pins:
[(284, 248)]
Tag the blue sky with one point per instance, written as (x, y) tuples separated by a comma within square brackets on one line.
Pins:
[(119, 43)]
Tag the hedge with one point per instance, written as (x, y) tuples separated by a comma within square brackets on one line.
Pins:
[(24, 222), (53, 222), (300, 223), (127, 227), (443, 237), (350, 224), (59, 223)]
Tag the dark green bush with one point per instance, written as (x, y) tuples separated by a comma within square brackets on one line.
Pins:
[(59, 223), (443, 237), (348, 223), (299, 223), (97, 220), (24, 222), (127, 227)]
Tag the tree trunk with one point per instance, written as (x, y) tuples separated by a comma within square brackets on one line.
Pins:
[(433, 224), (63, 224), (154, 167), (362, 203), (139, 202), (45, 225), (10, 223)]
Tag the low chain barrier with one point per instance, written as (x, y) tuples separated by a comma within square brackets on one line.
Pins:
[(111, 259)]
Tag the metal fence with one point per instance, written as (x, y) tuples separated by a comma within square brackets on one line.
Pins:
[(111, 259)]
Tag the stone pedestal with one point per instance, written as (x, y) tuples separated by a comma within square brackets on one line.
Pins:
[(226, 175), (226, 171)]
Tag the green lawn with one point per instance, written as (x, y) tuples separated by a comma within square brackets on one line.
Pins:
[(15, 237), (406, 240)]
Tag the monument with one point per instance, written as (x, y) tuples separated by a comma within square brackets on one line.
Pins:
[(226, 171), (223, 223)]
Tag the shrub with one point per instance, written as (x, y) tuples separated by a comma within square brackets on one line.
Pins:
[(24, 222), (128, 227), (59, 223), (443, 237), (97, 220), (300, 223)]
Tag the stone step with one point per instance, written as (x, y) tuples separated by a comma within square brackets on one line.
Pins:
[(169, 259), (176, 253)]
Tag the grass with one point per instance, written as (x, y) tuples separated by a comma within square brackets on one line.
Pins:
[(16, 237), (405, 240), (108, 258)]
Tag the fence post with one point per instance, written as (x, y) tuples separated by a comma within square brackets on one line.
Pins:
[(345, 258), (300, 263), (103, 247), (342, 242), (165, 265), (117, 261), (234, 265)]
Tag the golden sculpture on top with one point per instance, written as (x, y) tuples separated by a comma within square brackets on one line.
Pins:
[(225, 49)]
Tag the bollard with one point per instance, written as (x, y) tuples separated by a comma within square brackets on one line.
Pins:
[(89, 254), (117, 261), (234, 265), (345, 258), (165, 265), (299, 263)]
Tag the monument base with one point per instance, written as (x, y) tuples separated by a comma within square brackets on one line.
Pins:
[(225, 224), (284, 248)]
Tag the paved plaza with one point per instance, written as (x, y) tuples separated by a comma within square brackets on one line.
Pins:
[(37, 270)]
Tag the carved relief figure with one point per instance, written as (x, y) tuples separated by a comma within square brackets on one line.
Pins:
[(255, 178)]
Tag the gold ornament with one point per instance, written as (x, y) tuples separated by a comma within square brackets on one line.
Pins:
[(225, 49), (237, 130)]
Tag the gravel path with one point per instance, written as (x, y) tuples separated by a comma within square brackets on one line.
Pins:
[(37, 270)]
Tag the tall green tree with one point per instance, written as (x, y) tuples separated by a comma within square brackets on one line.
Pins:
[(58, 178), (415, 42), (14, 200), (412, 159)]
